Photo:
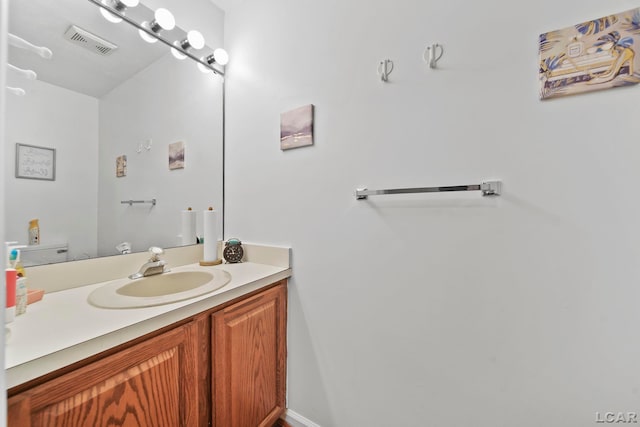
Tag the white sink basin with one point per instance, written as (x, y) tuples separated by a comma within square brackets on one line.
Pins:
[(165, 284), (159, 289)]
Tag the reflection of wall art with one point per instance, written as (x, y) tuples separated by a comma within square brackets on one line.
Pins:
[(35, 162), (121, 166), (176, 155), (593, 55), (296, 128)]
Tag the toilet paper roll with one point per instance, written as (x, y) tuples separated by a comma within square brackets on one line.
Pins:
[(188, 227), (210, 235)]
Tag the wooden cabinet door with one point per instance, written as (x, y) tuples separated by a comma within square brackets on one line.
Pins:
[(249, 360), (153, 383)]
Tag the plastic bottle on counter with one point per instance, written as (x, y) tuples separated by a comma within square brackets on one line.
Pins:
[(11, 277), (34, 232), (14, 262), (21, 296)]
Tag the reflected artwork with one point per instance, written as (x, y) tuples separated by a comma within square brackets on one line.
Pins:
[(121, 166), (176, 155), (296, 128), (593, 55)]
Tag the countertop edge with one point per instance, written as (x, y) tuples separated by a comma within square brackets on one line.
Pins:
[(35, 368)]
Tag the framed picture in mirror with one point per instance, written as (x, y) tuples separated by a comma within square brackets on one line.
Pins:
[(33, 162), (176, 155), (121, 166)]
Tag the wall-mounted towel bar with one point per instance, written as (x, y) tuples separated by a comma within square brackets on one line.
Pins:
[(131, 202), (488, 188)]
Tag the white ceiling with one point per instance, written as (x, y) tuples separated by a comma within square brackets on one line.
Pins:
[(225, 5), (44, 22)]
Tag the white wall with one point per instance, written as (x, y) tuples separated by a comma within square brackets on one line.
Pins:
[(439, 310), (50, 116), (188, 110)]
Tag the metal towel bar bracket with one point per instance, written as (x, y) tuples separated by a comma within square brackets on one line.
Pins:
[(131, 202), (488, 188)]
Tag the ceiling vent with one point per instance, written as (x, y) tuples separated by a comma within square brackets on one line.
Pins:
[(84, 38)]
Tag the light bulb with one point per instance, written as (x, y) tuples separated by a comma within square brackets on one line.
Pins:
[(164, 19), (195, 39), (203, 68), (144, 35), (110, 16), (208, 60), (176, 53), (221, 56), (120, 6)]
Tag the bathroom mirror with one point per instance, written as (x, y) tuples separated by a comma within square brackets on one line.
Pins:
[(113, 108)]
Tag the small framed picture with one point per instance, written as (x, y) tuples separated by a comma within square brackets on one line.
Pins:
[(121, 166), (296, 128), (34, 162), (592, 55), (176, 155)]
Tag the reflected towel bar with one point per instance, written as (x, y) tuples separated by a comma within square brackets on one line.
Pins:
[(131, 202), (488, 188)]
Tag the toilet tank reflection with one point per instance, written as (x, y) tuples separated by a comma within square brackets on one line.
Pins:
[(44, 254)]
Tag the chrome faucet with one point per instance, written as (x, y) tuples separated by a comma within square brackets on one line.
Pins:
[(155, 265)]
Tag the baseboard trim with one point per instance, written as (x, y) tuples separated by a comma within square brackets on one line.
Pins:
[(296, 420)]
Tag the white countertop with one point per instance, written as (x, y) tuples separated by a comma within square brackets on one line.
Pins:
[(64, 328)]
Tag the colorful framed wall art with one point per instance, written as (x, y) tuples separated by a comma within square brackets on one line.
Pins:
[(592, 55)]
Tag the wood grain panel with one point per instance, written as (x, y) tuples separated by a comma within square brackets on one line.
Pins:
[(249, 350), (151, 384), (281, 423), (203, 325), (144, 395)]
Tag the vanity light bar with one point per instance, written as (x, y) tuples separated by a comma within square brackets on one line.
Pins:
[(156, 36)]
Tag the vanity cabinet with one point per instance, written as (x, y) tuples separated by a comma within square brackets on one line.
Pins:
[(224, 368)]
